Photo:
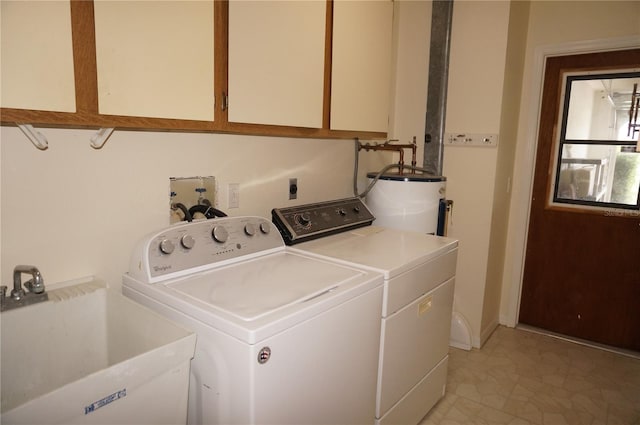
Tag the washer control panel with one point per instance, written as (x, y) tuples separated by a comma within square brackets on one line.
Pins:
[(311, 221), (199, 245)]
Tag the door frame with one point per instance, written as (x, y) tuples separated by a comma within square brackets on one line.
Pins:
[(524, 167)]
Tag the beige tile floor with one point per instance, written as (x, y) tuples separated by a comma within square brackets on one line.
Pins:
[(521, 377)]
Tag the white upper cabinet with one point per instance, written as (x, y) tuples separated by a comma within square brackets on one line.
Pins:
[(361, 67), (155, 64), (37, 56), (155, 58), (276, 62)]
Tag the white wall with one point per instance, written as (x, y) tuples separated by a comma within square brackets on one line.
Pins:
[(474, 100), (409, 79), (412, 32), (75, 211), (554, 28), (518, 22), (475, 177)]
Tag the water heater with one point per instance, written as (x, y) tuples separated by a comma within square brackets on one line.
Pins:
[(407, 202)]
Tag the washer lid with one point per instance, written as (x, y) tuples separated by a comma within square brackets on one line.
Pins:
[(253, 289), (254, 299)]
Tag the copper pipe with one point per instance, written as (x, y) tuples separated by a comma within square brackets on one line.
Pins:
[(387, 146)]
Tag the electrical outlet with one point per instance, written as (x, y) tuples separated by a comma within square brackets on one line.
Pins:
[(293, 188), (471, 139)]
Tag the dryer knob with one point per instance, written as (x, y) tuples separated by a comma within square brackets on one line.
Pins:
[(303, 219), (219, 234), (166, 246)]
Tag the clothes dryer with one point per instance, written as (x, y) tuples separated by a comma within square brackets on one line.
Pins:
[(419, 274)]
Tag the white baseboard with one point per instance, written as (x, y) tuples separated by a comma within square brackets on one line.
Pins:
[(486, 333)]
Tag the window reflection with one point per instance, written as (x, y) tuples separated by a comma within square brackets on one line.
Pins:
[(599, 173), (599, 107), (597, 163)]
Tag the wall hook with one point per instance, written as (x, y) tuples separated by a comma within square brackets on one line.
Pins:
[(38, 139), (98, 140)]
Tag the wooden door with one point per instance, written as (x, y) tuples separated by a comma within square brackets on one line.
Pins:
[(582, 265)]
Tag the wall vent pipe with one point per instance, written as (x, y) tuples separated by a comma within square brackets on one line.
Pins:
[(441, 22)]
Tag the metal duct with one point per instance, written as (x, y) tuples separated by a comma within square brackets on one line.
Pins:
[(441, 22)]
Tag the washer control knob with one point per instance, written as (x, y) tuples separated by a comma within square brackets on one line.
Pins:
[(356, 209), (166, 246), (342, 212), (187, 241), (265, 228), (249, 229), (219, 234)]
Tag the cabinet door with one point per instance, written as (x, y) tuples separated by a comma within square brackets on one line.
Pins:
[(361, 65), (276, 62), (37, 56), (155, 58)]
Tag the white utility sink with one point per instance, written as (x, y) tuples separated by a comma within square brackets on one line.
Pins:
[(90, 355)]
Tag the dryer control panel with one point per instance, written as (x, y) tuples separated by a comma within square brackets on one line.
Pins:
[(305, 222)]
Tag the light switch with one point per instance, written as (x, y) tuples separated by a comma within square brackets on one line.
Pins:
[(233, 192)]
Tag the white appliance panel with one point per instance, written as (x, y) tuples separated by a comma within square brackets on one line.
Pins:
[(331, 284), (323, 369), (410, 409), (411, 284), (406, 360), (329, 356), (254, 288), (388, 251)]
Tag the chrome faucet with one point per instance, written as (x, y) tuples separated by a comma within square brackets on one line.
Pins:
[(19, 297), (35, 284)]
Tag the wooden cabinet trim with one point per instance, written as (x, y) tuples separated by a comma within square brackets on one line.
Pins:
[(86, 85), (328, 58), (83, 36), (221, 61)]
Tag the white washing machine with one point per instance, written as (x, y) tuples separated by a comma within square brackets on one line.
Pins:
[(283, 337), (419, 272)]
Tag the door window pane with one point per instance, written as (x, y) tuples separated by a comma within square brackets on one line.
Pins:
[(598, 173), (597, 161), (600, 108)]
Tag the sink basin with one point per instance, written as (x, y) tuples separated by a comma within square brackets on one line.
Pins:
[(90, 355)]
